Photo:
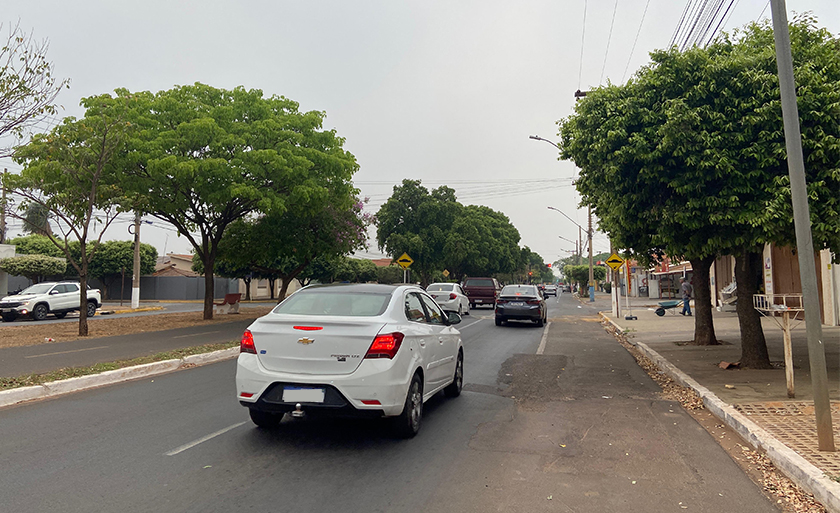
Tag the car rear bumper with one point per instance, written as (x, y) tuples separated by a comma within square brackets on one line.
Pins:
[(530, 313), (346, 394)]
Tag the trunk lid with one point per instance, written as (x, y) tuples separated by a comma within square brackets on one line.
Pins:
[(313, 344)]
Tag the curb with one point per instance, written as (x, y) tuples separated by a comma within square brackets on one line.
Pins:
[(70, 385), (130, 310), (795, 467)]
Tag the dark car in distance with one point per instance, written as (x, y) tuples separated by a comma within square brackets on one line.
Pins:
[(520, 303), (481, 291)]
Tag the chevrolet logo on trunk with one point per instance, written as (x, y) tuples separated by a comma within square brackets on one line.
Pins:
[(305, 341)]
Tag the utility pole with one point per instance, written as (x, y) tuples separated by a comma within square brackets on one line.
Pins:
[(591, 271), (802, 224), (580, 246), (135, 281)]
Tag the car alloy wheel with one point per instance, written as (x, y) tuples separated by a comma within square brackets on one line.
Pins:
[(454, 388), (39, 313), (408, 422), (91, 309)]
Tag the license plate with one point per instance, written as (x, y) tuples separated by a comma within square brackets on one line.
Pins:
[(303, 395), (517, 303), (479, 300)]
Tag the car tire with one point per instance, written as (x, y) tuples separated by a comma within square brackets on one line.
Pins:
[(540, 322), (499, 321), (265, 419), (60, 315), (91, 308), (9, 317), (407, 424), (39, 313), (472, 305), (454, 388)]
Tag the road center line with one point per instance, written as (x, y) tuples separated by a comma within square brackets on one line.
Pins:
[(197, 334), (203, 439), (66, 352), (544, 338), (470, 324)]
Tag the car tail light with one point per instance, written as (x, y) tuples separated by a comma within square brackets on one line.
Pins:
[(246, 395), (309, 328), (501, 301), (371, 402), (385, 345), (533, 301), (246, 345), (452, 295)]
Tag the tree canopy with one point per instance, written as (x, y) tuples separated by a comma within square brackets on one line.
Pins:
[(204, 157), (688, 158), (71, 173), (440, 233)]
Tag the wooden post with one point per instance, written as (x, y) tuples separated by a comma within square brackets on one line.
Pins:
[(788, 355)]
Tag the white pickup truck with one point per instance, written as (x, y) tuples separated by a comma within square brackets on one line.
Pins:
[(57, 298)]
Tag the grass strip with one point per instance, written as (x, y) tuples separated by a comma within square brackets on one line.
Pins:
[(8, 383)]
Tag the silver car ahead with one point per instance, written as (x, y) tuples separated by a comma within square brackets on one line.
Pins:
[(350, 349)]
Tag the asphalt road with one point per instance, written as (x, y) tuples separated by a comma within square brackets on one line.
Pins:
[(579, 428)]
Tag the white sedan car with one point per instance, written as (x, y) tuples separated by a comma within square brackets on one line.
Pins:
[(450, 297), (350, 349)]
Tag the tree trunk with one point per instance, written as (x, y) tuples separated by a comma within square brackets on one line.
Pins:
[(271, 283), (284, 286), (247, 288), (209, 290), (83, 301), (704, 327), (747, 276)]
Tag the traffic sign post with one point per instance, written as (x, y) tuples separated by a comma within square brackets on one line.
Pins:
[(615, 262), (405, 262)]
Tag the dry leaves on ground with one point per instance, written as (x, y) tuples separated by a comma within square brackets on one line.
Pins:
[(103, 326), (788, 496)]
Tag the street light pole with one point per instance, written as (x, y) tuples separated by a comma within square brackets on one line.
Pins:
[(588, 231), (802, 224)]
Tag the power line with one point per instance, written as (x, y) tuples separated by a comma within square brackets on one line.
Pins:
[(636, 40), (609, 38), (582, 39), (673, 39)]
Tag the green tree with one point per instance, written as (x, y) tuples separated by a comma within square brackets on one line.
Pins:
[(480, 242), (36, 220), (33, 267), (28, 87), (114, 257), (206, 157), (688, 159), (580, 274), (70, 172), (389, 274), (35, 245), (417, 222)]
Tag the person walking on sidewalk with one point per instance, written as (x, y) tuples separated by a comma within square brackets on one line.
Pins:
[(686, 290)]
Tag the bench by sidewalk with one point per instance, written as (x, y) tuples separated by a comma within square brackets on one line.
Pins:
[(229, 305)]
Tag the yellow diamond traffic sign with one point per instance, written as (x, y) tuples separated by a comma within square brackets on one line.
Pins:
[(445, 273), (405, 261), (615, 262)]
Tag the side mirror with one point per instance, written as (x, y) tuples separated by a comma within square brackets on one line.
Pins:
[(53, 292), (454, 318)]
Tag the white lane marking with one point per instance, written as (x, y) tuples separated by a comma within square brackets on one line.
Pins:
[(66, 352), (544, 338), (470, 324), (197, 334), (203, 439)]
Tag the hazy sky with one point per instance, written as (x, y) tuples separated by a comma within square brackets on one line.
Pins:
[(444, 91)]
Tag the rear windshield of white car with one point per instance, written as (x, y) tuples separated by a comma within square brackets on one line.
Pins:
[(440, 287), (519, 290), (474, 282), (330, 302)]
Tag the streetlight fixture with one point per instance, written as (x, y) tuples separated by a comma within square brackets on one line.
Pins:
[(588, 232)]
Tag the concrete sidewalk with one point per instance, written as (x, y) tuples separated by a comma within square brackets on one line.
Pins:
[(754, 402)]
